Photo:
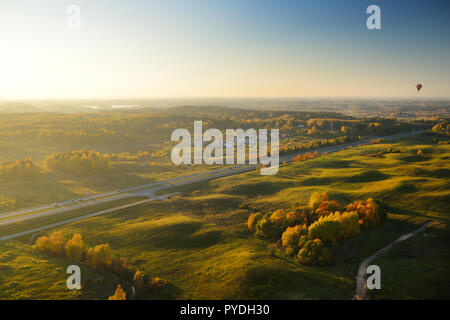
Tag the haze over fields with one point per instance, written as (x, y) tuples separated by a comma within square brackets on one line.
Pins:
[(226, 49)]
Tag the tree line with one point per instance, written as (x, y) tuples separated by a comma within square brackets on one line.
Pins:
[(7, 202), (19, 169), (306, 233), (156, 125), (442, 129), (78, 162), (99, 258), (359, 127)]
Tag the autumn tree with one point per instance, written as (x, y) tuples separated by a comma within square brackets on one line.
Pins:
[(101, 256), (346, 130), (306, 231), (53, 244), (291, 237), (90, 257), (314, 252), (253, 220), (442, 128), (78, 162), (119, 294), (278, 217), (74, 247), (158, 283), (138, 280), (335, 226), (327, 207), (118, 265), (7, 202), (316, 199), (262, 228), (297, 216), (19, 169), (369, 212)]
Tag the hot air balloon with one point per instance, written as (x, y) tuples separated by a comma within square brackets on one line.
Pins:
[(418, 86)]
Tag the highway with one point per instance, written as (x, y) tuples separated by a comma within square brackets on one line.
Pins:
[(148, 190), (57, 224)]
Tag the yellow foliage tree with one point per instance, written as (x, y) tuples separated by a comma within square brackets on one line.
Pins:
[(19, 169), (314, 252), (90, 257), (118, 264), (253, 220), (53, 244), (138, 280), (158, 283), (316, 199), (101, 256), (327, 207), (74, 248), (368, 212), (335, 226), (292, 235), (278, 216), (7, 202), (119, 294)]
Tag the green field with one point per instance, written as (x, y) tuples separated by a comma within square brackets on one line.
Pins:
[(199, 241)]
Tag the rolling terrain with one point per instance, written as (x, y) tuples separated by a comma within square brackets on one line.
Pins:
[(199, 242)]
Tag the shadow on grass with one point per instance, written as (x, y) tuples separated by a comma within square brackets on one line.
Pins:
[(254, 189), (320, 181), (332, 164), (415, 158), (432, 173), (368, 176), (403, 188), (183, 235), (170, 292), (424, 215), (292, 281)]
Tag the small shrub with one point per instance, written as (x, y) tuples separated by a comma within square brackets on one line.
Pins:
[(119, 294), (158, 283)]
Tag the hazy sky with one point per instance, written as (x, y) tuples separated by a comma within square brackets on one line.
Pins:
[(227, 48)]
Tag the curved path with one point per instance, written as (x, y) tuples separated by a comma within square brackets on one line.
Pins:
[(361, 288)]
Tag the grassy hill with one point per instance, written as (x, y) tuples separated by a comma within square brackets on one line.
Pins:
[(199, 240)]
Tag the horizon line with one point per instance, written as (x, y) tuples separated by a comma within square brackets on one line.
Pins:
[(229, 98)]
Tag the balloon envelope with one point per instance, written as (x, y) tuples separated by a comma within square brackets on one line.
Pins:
[(418, 86)]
